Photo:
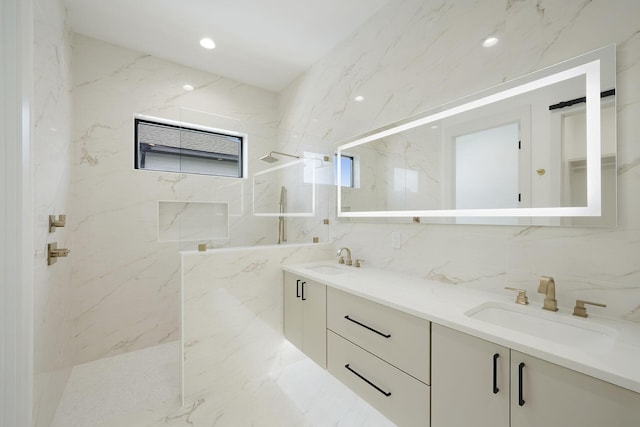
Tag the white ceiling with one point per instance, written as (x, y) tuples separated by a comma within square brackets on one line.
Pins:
[(266, 43)]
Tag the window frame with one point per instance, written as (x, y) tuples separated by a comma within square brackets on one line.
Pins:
[(352, 161), (241, 158)]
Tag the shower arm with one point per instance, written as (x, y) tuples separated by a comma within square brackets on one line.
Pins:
[(284, 154), (269, 158)]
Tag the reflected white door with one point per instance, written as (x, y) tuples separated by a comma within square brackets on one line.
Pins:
[(486, 169)]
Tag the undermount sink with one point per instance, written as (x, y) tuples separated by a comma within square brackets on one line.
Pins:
[(557, 327), (328, 269)]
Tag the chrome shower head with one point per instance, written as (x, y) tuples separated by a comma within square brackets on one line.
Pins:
[(270, 159)]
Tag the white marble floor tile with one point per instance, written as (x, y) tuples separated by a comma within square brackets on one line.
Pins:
[(140, 389), (114, 386)]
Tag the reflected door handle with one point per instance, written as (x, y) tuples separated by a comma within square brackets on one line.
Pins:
[(520, 392), (495, 373)]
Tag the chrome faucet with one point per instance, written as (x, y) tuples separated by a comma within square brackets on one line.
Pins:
[(341, 260), (547, 287)]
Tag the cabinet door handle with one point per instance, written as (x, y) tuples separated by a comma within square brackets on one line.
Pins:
[(520, 397), (298, 288), (386, 393), (303, 298), (495, 373), (367, 327)]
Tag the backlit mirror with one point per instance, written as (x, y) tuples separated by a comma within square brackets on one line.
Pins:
[(538, 150)]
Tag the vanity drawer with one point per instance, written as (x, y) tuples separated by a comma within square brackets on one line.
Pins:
[(398, 396), (399, 338)]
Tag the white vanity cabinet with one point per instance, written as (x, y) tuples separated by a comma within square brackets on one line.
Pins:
[(556, 396), (305, 316), (398, 396), (382, 354), (471, 386), (469, 379), (399, 338)]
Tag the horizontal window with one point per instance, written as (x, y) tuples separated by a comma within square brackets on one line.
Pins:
[(174, 148)]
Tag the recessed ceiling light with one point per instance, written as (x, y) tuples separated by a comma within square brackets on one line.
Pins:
[(207, 43), (187, 87), (359, 98), (490, 41)]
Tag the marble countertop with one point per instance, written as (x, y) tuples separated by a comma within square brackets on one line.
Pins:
[(616, 362)]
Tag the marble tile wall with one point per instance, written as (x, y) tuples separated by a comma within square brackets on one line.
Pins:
[(53, 332), (411, 56), (192, 221), (415, 55), (232, 318), (126, 283)]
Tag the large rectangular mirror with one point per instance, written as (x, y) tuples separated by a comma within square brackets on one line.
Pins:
[(540, 149)]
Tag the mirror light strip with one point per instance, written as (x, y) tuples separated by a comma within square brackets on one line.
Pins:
[(592, 72), (594, 168)]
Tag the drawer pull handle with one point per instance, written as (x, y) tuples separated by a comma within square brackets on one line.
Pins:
[(303, 298), (386, 393), (367, 327), (520, 396), (495, 373), (298, 288)]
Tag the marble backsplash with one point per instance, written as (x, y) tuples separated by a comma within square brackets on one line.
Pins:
[(415, 55)]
